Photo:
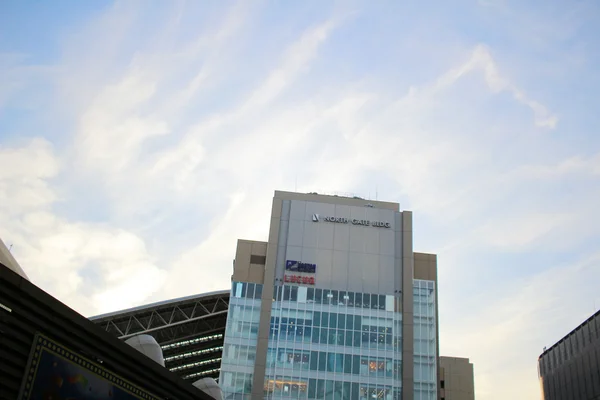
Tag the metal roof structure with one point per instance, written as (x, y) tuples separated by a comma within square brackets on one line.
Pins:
[(190, 331), (28, 314)]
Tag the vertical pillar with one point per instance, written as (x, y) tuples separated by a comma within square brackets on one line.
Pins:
[(407, 310), (262, 343)]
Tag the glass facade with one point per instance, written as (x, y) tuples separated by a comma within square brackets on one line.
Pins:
[(329, 344), (425, 341), (239, 348)]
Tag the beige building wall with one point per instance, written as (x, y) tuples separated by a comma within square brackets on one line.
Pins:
[(456, 379), (249, 263), (425, 266)]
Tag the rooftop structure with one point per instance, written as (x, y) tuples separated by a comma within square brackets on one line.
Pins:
[(190, 331)]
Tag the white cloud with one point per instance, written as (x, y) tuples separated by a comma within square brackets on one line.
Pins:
[(23, 176), (295, 60), (578, 165), (481, 60), (91, 267), (187, 156), (513, 233)]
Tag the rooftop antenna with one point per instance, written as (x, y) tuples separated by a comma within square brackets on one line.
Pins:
[(10, 248)]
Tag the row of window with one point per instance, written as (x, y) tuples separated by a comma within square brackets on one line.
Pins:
[(303, 294), (239, 312), (424, 347), (339, 337), (423, 309), (246, 290), (424, 330), (288, 387), (331, 320), (367, 339), (240, 329), (363, 365), (318, 296), (240, 383), (424, 372), (425, 391), (335, 329), (238, 354), (422, 290), (242, 322), (236, 382)]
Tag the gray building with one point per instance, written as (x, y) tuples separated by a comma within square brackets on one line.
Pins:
[(571, 368), (335, 305), (456, 379)]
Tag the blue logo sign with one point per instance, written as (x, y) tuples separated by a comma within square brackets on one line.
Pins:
[(297, 266)]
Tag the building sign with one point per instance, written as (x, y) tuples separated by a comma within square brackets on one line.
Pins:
[(306, 280), (57, 372), (297, 266), (300, 267), (341, 220)]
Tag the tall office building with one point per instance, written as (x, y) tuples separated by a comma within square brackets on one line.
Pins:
[(570, 369), (335, 305)]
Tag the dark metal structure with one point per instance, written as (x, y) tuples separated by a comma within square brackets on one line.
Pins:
[(26, 310), (570, 369), (190, 331)]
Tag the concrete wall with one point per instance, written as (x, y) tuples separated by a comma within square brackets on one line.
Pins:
[(457, 379), (250, 260), (349, 256), (425, 266)]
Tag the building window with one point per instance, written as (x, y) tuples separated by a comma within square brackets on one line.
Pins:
[(261, 260), (297, 325), (442, 384)]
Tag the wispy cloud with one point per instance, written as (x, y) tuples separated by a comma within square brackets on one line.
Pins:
[(482, 61)]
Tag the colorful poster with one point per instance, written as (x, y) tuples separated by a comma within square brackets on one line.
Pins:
[(56, 372)]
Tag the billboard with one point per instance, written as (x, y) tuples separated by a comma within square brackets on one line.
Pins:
[(297, 266), (56, 372)]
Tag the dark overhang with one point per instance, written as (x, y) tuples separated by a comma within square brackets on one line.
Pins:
[(27, 310)]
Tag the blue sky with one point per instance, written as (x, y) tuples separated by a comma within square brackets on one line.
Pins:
[(139, 140)]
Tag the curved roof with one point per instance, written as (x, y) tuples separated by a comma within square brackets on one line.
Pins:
[(7, 259), (190, 330)]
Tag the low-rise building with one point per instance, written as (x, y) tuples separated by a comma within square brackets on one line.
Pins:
[(456, 379)]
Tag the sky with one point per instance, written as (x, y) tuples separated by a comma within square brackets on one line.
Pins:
[(140, 140)]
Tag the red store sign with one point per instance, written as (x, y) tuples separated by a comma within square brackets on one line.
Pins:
[(306, 280)]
